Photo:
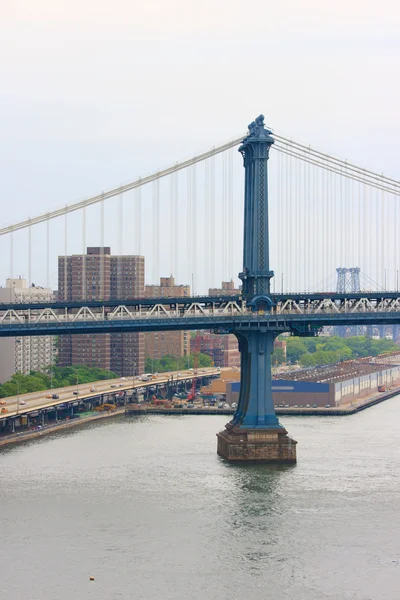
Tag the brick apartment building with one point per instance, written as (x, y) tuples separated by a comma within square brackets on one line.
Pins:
[(223, 349), (98, 275), (227, 289), (161, 343)]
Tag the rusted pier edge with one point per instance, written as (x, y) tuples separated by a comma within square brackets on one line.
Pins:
[(18, 438)]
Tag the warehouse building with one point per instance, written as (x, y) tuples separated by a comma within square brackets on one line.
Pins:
[(332, 386)]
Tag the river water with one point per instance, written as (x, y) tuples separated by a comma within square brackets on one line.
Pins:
[(147, 507)]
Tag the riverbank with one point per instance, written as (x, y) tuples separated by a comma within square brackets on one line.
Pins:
[(24, 436)]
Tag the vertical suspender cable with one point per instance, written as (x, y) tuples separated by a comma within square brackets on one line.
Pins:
[(360, 225), (384, 237), (12, 255), (30, 256), (207, 224), (65, 253), (48, 253), (230, 214), (120, 226), (156, 232), (279, 223), (138, 219), (224, 217), (172, 233), (291, 229), (176, 217), (84, 255), (194, 230), (307, 192), (189, 272), (102, 273), (120, 245), (212, 222), (395, 246)]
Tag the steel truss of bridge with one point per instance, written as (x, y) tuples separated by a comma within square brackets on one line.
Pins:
[(300, 314)]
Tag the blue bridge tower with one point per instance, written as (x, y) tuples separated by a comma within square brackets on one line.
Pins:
[(255, 434)]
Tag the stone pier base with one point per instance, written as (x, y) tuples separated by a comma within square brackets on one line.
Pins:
[(256, 445)]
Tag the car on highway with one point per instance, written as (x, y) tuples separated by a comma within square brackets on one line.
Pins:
[(93, 389), (55, 396), (3, 402), (114, 385), (4, 410), (75, 393), (48, 396), (22, 402), (221, 405)]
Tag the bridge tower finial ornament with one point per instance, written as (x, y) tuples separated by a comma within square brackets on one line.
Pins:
[(255, 433)]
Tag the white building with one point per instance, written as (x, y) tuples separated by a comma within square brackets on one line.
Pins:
[(25, 354)]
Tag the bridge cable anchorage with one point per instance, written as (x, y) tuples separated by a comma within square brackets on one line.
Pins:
[(282, 144)]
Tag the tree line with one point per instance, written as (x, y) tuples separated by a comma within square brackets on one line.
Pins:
[(53, 377), (177, 363), (318, 351)]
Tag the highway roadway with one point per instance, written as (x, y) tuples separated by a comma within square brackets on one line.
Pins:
[(38, 400)]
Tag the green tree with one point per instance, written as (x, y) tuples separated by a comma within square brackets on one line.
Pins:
[(278, 356), (295, 348)]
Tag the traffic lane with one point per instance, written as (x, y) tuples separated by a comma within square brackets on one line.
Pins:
[(37, 400)]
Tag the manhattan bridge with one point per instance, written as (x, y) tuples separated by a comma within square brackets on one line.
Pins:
[(309, 216)]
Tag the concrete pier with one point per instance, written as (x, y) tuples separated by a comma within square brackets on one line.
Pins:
[(259, 445)]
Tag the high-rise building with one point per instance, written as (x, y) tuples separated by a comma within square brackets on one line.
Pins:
[(161, 343), (25, 354), (98, 275)]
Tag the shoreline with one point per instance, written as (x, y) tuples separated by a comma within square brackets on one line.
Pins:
[(24, 436), (21, 437), (308, 412)]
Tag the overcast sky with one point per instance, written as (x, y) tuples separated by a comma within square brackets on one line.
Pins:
[(94, 93)]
